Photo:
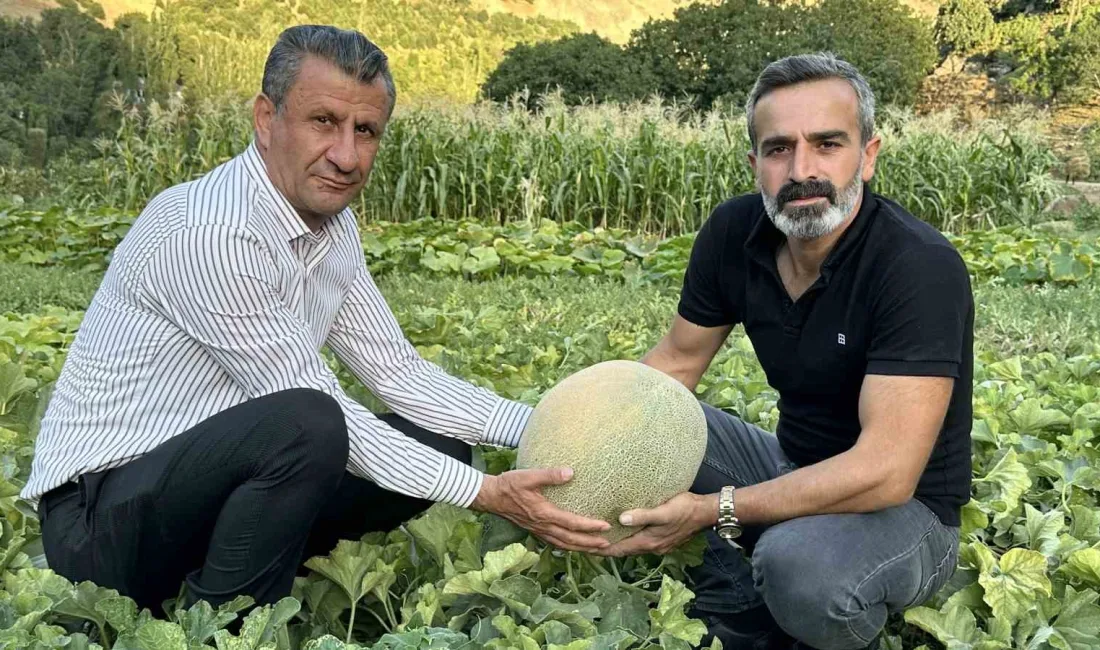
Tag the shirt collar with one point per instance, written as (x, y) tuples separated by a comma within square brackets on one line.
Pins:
[(287, 217), (765, 237)]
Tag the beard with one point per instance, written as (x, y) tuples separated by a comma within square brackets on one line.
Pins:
[(816, 219)]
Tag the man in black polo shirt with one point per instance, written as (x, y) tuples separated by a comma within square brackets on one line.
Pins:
[(862, 318)]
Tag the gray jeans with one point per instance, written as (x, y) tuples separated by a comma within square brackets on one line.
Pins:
[(828, 580)]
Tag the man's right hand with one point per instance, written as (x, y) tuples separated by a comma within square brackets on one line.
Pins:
[(517, 496)]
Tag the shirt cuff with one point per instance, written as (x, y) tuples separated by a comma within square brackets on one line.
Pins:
[(506, 424), (458, 483)]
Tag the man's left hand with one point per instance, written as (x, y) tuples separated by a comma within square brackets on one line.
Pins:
[(663, 528)]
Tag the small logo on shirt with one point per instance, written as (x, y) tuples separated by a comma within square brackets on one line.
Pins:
[(840, 339)]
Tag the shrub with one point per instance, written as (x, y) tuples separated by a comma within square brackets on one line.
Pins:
[(965, 26), (586, 67)]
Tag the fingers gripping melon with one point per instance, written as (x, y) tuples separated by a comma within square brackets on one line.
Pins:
[(634, 436)]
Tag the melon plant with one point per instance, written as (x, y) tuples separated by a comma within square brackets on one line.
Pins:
[(633, 435)]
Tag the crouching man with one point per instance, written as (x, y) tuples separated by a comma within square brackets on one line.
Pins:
[(862, 317), (196, 433)]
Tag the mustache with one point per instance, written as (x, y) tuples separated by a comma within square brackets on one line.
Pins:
[(805, 190)]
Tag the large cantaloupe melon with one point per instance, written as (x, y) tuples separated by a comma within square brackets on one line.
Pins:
[(634, 436)]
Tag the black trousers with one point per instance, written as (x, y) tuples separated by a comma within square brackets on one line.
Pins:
[(232, 506)]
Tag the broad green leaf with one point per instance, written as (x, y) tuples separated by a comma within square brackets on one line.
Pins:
[(955, 626), (669, 618), (978, 556), (579, 617), (433, 529), (1007, 370), (1007, 482), (153, 635), (428, 610), (1031, 417), (973, 519), (518, 592), (1013, 586), (971, 597), (1077, 626), (1040, 531), (348, 565), (120, 612), (1084, 565), (201, 622), (552, 632), (620, 609), (13, 382), (1084, 524), (82, 603)]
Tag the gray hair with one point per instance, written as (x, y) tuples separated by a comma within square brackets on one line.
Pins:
[(348, 49), (812, 67)]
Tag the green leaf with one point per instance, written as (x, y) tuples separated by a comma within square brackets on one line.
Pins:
[(1031, 417), (348, 565), (120, 612), (154, 635), (201, 622), (1084, 524), (13, 382), (669, 619), (1078, 624), (578, 616), (1012, 588), (973, 519), (1084, 565), (518, 592), (430, 638), (620, 609), (82, 603), (434, 528), (954, 626), (1040, 531), (1007, 482)]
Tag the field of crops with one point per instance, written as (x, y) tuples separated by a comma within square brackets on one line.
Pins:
[(650, 167), (516, 308)]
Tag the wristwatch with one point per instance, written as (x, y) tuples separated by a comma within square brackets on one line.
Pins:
[(728, 528)]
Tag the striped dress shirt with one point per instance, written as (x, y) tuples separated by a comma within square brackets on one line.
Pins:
[(220, 293)]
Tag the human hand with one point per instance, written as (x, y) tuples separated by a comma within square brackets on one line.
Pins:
[(517, 496), (665, 527)]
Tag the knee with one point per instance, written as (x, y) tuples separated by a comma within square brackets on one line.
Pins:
[(813, 599), (319, 420)]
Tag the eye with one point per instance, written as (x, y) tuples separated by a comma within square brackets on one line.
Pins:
[(830, 144), (777, 149), (323, 119)]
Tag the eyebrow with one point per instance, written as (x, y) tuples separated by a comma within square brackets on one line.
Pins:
[(835, 134)]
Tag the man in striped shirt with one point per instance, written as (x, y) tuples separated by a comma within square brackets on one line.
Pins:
[(196, 433)]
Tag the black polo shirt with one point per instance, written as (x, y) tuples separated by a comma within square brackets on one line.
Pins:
[(893, 298)]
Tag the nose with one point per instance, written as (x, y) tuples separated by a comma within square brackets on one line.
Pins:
[(803, 164), (343, 152)]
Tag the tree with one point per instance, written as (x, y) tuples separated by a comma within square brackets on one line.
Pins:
[(711, 52), (716, 52), (966, 27), (586, 67)]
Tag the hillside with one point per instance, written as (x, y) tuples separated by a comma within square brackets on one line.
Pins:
[(613, 19)]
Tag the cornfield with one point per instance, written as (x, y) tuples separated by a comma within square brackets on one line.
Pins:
[(647, 166)]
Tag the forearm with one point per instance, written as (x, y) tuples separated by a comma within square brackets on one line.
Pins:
[(681, 368), (844, 483)]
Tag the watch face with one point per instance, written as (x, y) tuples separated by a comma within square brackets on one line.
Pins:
[(729, 532)]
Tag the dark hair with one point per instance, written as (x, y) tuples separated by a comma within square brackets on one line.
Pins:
[(348, 49), (812, 67)]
